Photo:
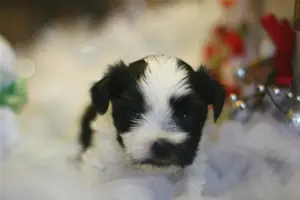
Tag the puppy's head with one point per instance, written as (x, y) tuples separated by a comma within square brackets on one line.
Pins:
[(159, 107)]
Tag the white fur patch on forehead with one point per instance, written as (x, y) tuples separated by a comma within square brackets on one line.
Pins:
[(162, 79)]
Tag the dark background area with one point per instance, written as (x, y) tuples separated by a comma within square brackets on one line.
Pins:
[(21, 20)]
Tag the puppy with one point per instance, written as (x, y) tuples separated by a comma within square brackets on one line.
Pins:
[(159, 107)]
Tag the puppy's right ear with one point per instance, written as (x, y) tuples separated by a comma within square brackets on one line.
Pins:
[(110, 86)]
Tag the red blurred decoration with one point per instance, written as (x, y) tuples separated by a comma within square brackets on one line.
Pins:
[(227, 3), (234, 42), (209, 51), (220, 30), (225, 45), (212, 51), (284, 38), (232, 90), (231, 39)]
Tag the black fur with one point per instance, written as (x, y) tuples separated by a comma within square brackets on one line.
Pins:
[(86, 134), (190, 114), (209, 89), (109, 88)]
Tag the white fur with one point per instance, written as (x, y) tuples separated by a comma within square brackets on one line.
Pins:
[(161, 81)]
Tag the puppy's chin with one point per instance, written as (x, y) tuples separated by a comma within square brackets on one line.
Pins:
[(155, 169)]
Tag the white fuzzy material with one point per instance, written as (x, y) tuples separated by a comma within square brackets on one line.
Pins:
[(9, 132), (254, 162), (258, 161)]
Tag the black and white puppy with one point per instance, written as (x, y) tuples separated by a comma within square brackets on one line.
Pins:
[(159, 107)]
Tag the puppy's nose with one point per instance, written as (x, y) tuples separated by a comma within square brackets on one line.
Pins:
[(162, 149)]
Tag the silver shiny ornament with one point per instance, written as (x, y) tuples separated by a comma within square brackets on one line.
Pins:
[(261, 88), (240, 73), (241, 104), (290, 95), (298, 98), (276, 91), (240, 111), (294, 118), (233, 98)]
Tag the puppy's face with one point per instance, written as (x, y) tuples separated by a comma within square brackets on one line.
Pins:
[(159, 107)]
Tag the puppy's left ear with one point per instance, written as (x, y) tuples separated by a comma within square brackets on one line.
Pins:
[(209, 89)]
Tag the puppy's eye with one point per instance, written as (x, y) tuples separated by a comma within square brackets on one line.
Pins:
[(137, 114), (186, 116)]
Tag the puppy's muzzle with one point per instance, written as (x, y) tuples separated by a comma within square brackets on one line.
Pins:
[(162, 150)]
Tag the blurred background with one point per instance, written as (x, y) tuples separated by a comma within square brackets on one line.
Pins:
[(21, 20)]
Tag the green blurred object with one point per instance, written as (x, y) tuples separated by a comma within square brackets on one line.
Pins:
[(243, 30), (215, 62), (15, 95)]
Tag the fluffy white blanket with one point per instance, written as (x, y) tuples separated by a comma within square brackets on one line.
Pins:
[(245, 163)]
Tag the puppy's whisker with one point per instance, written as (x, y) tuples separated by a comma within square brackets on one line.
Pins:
[(136, 162)]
